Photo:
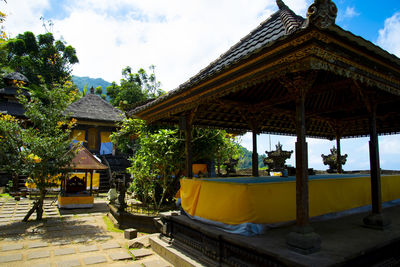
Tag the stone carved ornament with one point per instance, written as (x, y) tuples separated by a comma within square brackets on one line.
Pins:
[(322, 13)]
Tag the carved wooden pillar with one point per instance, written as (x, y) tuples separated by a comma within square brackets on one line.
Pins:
[(255, 155), (301, 165), (338, 156), (188, 145), (376, 195), (186, 125), (302, 239), (91, 182), (375, 219)]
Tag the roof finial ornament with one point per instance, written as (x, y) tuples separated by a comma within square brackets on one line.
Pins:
[(280, 4), (322, 13), (290, 20)]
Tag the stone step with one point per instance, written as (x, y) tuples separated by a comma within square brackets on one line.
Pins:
[(172, 254)]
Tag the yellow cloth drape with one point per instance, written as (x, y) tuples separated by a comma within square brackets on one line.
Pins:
[(95, 183), (105, 137), (78, 135), (235, 203)]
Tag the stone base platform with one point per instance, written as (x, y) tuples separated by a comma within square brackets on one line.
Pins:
[(345, 242)]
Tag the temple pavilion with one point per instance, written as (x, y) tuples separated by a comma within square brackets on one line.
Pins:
[(305, 77), (96, 120)]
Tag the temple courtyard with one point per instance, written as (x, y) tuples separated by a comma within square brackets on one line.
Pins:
[(72, 238)]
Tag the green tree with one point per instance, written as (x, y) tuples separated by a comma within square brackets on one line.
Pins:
[(158, 156), (157, 165), (134, 88), (99, 91), (4, 68), (245, 160), (85, 90), (3, 35), (41, 57), (41, 150)]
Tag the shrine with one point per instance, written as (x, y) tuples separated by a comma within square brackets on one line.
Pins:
[(334, 160), (276, 159), (304, 77), (73, 190)]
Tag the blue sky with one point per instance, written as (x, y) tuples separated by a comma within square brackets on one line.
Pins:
[(181, 37)]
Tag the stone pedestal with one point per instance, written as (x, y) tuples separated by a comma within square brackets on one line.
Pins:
[(130, 233), (303, 240), (376, 221)]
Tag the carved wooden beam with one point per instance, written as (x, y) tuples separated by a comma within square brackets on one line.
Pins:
[(367, 96), (299, 83), (230, 115), (255, 107), (322, 88)]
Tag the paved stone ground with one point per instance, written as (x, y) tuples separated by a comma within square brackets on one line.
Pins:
[(71, 238)]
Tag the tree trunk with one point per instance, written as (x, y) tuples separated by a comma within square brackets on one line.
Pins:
[(15, 179), (218, 167), (39, 209), (38, 206), (30, 211)]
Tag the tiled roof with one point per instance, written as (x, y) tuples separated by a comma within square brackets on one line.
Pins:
[(16, 76), (12, 91), (12, 108), (279, 24), (93, 107)]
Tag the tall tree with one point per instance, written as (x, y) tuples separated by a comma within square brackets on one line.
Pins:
[(4, 68), (3, 35), (40, 149), (134, 88), (41, 56)]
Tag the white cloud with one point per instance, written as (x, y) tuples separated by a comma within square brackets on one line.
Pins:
[(23, 15), (389, 37), (351, 12), (179, 37), (390, 145)]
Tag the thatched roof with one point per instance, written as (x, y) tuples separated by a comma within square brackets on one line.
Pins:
[(16, 76), (93, 107)]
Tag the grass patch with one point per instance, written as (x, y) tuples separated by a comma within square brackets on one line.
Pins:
[(5, 195), (110, 225)]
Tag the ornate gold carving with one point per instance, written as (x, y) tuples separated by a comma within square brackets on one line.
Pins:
[(298, 83), (322, 13)]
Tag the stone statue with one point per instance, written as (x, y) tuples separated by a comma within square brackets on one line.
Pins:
[(276, 159), (331, 160), (230, 166)]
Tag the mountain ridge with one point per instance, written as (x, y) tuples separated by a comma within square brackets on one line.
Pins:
[(80, 82)]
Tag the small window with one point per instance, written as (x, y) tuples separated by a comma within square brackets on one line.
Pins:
[(92, 139)]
